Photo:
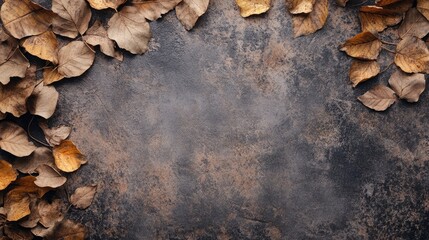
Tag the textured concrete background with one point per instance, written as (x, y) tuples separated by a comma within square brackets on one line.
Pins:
[(235, 130)]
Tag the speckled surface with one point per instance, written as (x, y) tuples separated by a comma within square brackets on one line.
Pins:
[(236, 130)]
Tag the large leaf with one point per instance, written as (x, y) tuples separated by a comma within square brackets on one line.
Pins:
[(361, 71), (12, 61), (74, 59), (73, 17), (364, 46), (379, 98), (408, 86), (376, 19), (67, 157), (304, 24), (13, 139), (414, 24), (412, 55), (97, 35), (43, 101), (43, 46), (49, 177)]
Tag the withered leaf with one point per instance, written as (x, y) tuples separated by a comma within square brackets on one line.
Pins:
[(49, 177), (26, 184), (414, 24), (17, 205), (400, 6), (188, 11), (364, 45), (412, 55), (130, 31), (382, 3), (51, 75), (152, 10), (40, 156), (73, 17), (362, 70), (251, 7), (304, 24), (97, 35), (43, 101), (12, 61), (423, 7), (67, 230), (67, 157), (103, 4), (51, 213), (407, 86), (379, 98), (300, 6), (31, 220), (13, 139), (376, 19), (15, 232), (55, 135), (23, 18), (43, 46), (83, 196), (74, 59), (7, 174)]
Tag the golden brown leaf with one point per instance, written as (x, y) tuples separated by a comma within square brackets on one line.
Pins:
[(23, 18), (67, 230), (414, 24), (365, 46), (412, 55), (83, 196), (423, 7), (152, 10), (17, 205), (304, 24), (379, 98), (43, 101), (13, 139), (252, 7), (188, 11), (31, 220), (103, 4), (12, 61), (74, 59), (300, 6), (408, 86), (55, 135), (43, 46), (130, 30), (376, 19), (67, 157), (361, 71), (49, 177), (26, 184), (97, 35), (51, 213), (40, 156), (51, 75), (7, 174), (73, 17)]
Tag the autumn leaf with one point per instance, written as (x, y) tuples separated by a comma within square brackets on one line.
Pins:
[(31, 220), (74, 59), (414, 24), (7, 174), (152, 10), (252, 7), (364, 46), (376, 19), (67, 157), (361, 71), (23, 18), (49, 177), (40, 156), (55, 135), (304, 24), (342, 3), (51, 75), (73, 17), (400, 6), (130, 31), (17, 205), (423, 7), (51, 213), (26, 184), (13, 139), (408, 86), (43, 101), (382, 3), (188, 11), (97, 35), (12, 61), (103, 4), (412, 55), (83, 196), (379, 98), (67, 230), (300, 6), (43, 46)]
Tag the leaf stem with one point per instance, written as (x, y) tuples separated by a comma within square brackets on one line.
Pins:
[(35, 139), (386, 68), (389, 50), (388, 43)]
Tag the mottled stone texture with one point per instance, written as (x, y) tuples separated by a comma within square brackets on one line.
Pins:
[(236, 130)]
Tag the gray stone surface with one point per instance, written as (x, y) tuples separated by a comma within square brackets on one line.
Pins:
[(236, 130)]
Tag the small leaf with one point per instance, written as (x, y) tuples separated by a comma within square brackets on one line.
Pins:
[(379, 98), (73, 17), (55, 135), (97, 35), (7, 174), (250, 7), (51, 75), (43, 46), (13, 139), (304, 24), (103, 4), (67, 157), (74, 59), (414, 24), (407, 86), (49, 177), (152, 10), (300, 6), (12, 61), (412, 55), (364, 46), (40, 156), (423, 7), (51, 213), (188, 11), (361, 71), (376, 19), (43, 101), (83, 196)]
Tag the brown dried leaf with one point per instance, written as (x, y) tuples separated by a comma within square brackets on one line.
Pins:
[(26, 184), (73, 17), (31, 220), (16, 232), (188, 11), (407, 86), (361, 71), (83, 196), (376, 19), (12, 61), (423, 7), (7, 174), (130, 31), (382, 3), (51, 213), (252, 7), (13, 139), (17, 205), (365, 46), (67, 157), (412, 55), (49, 177), (43, 46), (97, 35), (152, 10), (342, 3), (55, 135), (23, 18), (51, 75), (300, 6), (43, 101), (304, 24), (40, 156), (379, 98), (41, 231), (74, 59), (414, 24), (103, 4), (67, 230)]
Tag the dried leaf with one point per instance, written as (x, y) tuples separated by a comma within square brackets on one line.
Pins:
[(17, 205), (16, 232), (26, 184), (376, 19), (83, 196), (41, 231), (40, 156), (379, 98), (73, 17), (407, 86), (152, 10), (304, 24), (188, 11), (382, 3), (67, 157), (31, 220), (55, 135), (7, 174), (130, 30), (412, 55), (12, 61), (97, 35), (51, 213), (51, 75), (103, 4), (13, 139), (300, 6), (365, 46), (67, 230), (49, 177), (43, 46), (414, 24), (43, 101), (423, 7), (74, 59), (399, 6), (23, 18), (252, 7), (342, 3), (361, 71)]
